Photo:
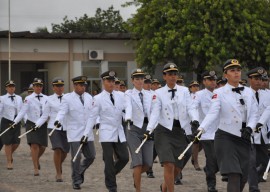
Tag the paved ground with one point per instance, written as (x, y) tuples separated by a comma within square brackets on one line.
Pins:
[(21, 178)]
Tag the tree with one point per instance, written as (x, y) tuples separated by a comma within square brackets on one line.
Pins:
[(201, 33), (107, 21), (42, 30)]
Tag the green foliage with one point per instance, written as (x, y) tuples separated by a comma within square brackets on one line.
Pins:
[(199, 34), (106, 21), (41, 30)]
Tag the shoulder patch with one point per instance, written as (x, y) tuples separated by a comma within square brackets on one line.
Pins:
[(214, 96), (154, 97)]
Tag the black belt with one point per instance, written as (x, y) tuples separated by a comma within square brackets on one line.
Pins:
[(176, 123), (244, 125), (145, 120)]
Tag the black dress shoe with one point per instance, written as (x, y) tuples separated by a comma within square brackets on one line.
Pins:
[(82, 176), (224, 178), (150, 175), (76, 186), (178, 181), (212, 189)]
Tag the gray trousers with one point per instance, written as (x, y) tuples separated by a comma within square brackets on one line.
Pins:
[(211, 167), (113, 167), (79, 167)]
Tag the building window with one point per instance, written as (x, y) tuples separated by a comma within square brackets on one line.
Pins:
[(92, 70)]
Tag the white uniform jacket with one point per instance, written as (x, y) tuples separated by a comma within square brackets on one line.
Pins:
[(264, 112), (202, 100), (75, 114), (110, 128), (135, 111), (9, 108), (52, 107), (32, 107), (163, 113), (225, 105)]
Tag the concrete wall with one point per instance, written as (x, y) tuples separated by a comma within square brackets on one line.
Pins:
[(63, 57)]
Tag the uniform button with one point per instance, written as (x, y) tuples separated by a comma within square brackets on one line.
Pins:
[(167, 113), (165, 108), (169, 118), (236, 121), (234, 116)]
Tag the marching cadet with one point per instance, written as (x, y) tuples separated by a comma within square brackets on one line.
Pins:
[(117, 84), (59, 136), (180, 81), (33, 107), (236, 108), (108, 106), (203, 101), (123, 87), (221, 81), (155, 84), (147, 82), (138, 109), (172, 105), (194, 86), (74, 112), (151, 85), (10, 106), (259, 151), (265, 82), (30, 89)]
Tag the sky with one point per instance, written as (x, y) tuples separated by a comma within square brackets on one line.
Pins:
[(28, 15)]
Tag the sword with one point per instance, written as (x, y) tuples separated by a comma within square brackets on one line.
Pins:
[(26, 133), (50, 134), (189, 145), (139, 148), (266, 171), (5, 130), (79, 149)]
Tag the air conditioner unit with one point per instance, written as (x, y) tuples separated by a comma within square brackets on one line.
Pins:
[(96, 55)]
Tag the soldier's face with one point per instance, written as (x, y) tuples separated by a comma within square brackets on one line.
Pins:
[(138, 82), (10, 89), (210, 84), (79, 88), (170, 77), (37, 88), (154, 86), (123, 88), (117, 87), (194, 88), (147, 86), (255, 83), (233, 75), (109, 85), (58, 89)]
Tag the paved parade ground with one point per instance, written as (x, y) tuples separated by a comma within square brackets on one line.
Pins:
[(21, 178)]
